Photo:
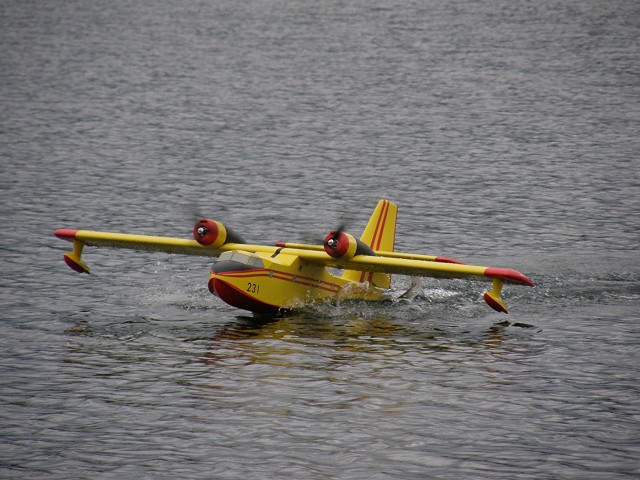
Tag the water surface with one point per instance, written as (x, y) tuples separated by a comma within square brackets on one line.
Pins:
[(507, 133)]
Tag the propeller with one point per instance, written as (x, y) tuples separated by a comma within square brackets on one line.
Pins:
[(333, 240)]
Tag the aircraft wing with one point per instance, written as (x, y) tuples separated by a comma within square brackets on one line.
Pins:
[(386, 262), (407, 266), (80, 238), (425, 268), (180, 246), (404, 265), (137, 242)]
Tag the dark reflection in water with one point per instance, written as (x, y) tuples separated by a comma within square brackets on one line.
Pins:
[(378, 331)]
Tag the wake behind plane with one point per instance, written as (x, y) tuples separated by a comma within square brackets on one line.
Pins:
[(274, 279)]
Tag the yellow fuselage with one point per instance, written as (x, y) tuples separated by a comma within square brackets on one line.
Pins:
[(264, 283)]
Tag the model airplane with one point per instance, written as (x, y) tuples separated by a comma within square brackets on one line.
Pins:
[(273, 279)]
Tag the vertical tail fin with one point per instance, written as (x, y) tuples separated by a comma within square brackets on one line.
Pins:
[(379, 234)]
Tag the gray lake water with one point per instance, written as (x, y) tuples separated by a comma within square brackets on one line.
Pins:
[(507, 132)]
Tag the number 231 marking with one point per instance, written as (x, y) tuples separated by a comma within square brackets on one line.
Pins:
[(253, 288)]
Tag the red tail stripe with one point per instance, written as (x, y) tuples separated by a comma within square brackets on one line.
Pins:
[(382, 220), (377, 236)]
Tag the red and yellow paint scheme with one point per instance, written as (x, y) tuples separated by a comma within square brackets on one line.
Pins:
[(274, 279)]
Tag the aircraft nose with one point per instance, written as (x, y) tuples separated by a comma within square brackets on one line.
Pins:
[(212, 286)]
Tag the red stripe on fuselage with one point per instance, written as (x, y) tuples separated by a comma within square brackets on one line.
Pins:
[(238, 298), (284, 276)]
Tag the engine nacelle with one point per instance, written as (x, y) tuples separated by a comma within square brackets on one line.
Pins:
[(343, 245), (214, 234)]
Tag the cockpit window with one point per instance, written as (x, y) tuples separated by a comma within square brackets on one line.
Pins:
[(255, 261), (244, 258)]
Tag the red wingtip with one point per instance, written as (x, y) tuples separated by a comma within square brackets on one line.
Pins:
[(281, 244), (448, 260), (66, 234), (508, 275)]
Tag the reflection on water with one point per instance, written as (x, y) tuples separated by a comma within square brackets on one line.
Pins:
[(263, 339), (309, 325)]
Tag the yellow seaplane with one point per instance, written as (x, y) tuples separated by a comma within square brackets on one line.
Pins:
[(272, 280)]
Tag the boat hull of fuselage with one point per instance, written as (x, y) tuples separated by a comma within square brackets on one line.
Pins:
[(278, 289)]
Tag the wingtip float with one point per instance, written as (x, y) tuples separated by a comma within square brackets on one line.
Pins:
[(272, 279), (73, 258)]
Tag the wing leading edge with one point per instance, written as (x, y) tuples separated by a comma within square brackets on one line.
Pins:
[(408, 266), (385, 262)]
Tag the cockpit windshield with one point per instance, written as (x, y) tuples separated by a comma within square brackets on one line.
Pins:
[(243, 258)]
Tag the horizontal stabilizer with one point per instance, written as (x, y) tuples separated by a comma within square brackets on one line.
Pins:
[(380, 253)]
